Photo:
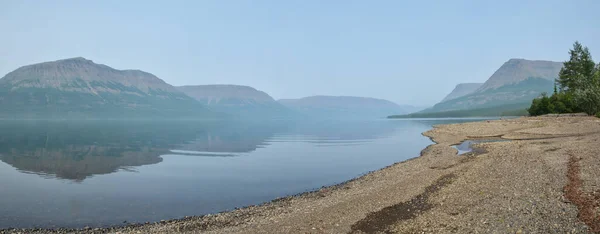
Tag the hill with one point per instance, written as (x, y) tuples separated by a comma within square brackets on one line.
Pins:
[(462, 90), (343, 107), (242, 101), (517, 70), (80, 88), (515, 84)]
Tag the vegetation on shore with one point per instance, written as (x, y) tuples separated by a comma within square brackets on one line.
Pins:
[(577, 88)]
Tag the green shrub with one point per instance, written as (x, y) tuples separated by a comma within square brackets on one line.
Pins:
[(588, 100)]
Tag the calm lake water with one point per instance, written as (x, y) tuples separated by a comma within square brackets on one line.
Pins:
[(103, 173)]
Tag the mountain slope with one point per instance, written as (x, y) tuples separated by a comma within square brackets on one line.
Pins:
[(411, 108), (462, 90), (515, 83), (517, 70), (79, 87), (522, 92), (243, 101), (343, 106)]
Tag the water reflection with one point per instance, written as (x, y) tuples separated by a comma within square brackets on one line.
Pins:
[(227, 138), (161, 170), (337, 132), (81, 149), (78, 150)]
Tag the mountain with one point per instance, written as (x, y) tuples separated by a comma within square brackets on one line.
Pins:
[(78, 87), (343, 107), (518, 70), (462, 90), (514, 84), (237, 100)]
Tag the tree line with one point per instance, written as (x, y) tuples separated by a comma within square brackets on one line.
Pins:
[(577, 88)]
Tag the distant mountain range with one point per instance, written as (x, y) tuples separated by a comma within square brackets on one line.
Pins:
[(237, 100), (77, 87), (246, 101), (509, 90), (344, 107), (80, 88)]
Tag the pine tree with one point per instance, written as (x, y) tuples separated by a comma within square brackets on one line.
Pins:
[(579, 71), (579, 86)]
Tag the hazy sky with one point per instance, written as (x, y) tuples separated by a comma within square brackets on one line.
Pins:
[(410, 52)]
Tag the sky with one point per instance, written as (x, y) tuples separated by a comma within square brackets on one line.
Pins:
[(409, 52)]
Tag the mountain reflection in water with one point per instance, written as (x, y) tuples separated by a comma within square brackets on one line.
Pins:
[(102, 173), (76, 150)]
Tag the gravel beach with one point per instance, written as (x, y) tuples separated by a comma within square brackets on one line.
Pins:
[(546, 179)]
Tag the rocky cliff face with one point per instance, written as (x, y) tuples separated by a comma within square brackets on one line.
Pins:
[(79, 87), (462, 90)]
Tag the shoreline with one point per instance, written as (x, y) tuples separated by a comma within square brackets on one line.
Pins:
[(427, 193), (119, 228)]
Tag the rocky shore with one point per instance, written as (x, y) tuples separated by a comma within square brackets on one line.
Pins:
[(546, 179)]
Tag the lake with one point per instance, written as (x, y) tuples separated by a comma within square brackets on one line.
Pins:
[(103, 173)]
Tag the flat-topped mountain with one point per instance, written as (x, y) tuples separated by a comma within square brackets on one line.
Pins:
[(517, 70), (343, 106), (78, 87), (513, 85), (64, 74), (462, 90), (243, 101), (226, 94)]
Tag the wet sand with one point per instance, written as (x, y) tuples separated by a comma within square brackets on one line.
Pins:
[(545, 180)]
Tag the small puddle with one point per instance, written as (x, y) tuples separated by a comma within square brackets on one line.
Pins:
[(465, 146)]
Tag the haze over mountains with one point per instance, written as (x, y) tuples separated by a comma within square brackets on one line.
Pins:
[(80, 88), (236, 100), (462, 90), (344, 106), (511, 87), (517, 70)]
